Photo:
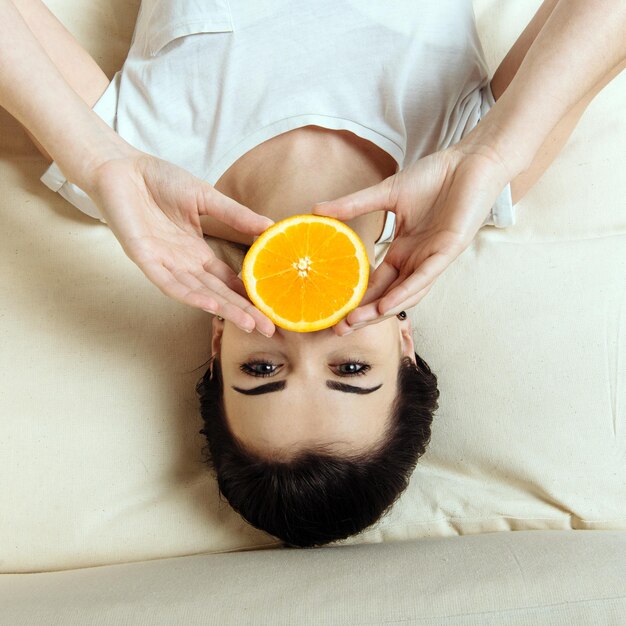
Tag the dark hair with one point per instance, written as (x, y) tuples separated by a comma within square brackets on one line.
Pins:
[(317, 497)]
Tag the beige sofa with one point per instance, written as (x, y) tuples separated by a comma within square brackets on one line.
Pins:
[(516, 514)]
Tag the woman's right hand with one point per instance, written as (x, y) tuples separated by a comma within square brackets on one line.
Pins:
[(440, 202), (153, 208)]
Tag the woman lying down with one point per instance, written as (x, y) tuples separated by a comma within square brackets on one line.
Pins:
[(226, 118)]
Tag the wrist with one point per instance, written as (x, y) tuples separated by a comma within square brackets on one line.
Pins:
[(100, 145), (511, 149)]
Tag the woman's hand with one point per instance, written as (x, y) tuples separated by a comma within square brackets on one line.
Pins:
[(153, 207), (440, 202)]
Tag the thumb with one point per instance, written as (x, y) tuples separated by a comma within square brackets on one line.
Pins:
[(375, 198), (229, 211)]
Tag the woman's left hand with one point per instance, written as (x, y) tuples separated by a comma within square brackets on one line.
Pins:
[(440, 202), (153, 208)]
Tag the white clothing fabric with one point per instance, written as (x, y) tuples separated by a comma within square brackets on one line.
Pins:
[(205, 82)]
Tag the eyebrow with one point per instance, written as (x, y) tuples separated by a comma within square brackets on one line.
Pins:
[(333, 384), (281, 384), (266, 388)]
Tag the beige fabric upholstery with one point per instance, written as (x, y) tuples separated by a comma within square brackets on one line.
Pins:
[(538, 578), (527, 331)]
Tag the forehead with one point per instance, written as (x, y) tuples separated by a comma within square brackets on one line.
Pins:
[(381, 340)]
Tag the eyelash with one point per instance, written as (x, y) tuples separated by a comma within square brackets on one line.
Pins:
[(248, 368), (365, 367)]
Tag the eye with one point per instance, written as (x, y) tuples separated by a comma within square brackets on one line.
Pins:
[(352, 368), (259, 368)]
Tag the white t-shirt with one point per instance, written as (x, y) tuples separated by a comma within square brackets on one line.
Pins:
[(206, 81)]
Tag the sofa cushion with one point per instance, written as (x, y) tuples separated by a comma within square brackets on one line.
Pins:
[(526, 331), (514, 579)]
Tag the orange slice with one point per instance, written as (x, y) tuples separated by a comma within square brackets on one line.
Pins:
[(306, 272)]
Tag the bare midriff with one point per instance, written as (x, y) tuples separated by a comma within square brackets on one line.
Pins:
[(289, 173)]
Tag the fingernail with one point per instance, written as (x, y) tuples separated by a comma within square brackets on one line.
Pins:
[(359, 325), (347, 332)]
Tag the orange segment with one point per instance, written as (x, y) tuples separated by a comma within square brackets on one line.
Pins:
[(306, 272)]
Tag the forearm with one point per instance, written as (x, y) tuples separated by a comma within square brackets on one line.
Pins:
[(581, 43), (37, 95)]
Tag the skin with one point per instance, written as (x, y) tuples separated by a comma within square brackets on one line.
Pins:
[(307, 412)]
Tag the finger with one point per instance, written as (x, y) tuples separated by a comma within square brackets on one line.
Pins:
[(203, 283), (396, 283), (231, 310), (223, 271), (357, 318), (229, 211), (218, 268), (342, 328), (426, 273), (226, 275), (367, 315), (379, 197), (411, 302), (188, 289), (364, 313), (233, 282), (383, 276), (346, 329), (231, 303), (236, 284), (172, 287), (262, 323)]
